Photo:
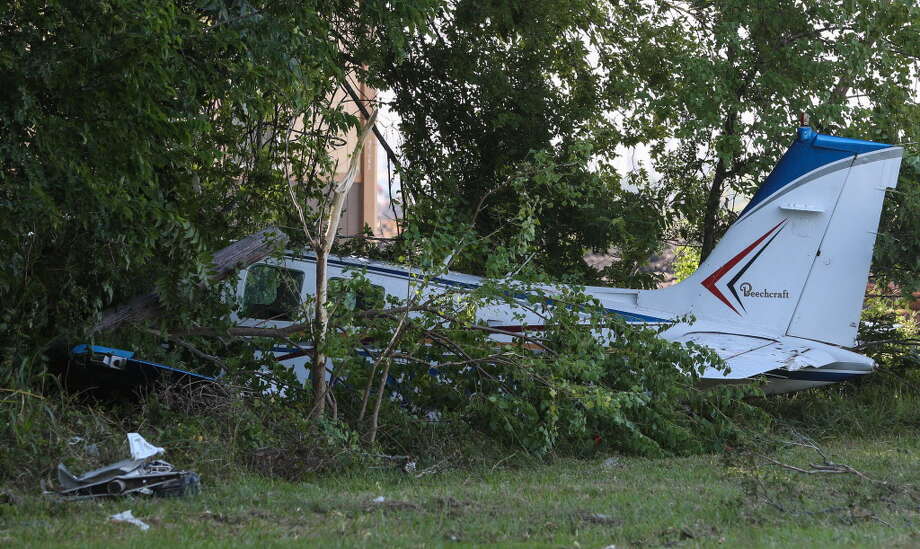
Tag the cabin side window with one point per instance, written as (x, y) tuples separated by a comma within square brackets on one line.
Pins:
[(272, 293), (364, 298)]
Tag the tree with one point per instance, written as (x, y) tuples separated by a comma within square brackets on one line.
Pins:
[(897, 250), (713, 88), (720, 85), (135, 137), (491, 87), (308, 184)]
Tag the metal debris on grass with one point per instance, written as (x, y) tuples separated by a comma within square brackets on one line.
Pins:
[(137, 475), (128, 516)]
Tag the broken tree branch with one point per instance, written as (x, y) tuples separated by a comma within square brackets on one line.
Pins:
[(191, 348), (227, 261), (367, 115), (385, 357)]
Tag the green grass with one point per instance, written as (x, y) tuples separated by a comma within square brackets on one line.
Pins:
[(696, 501)]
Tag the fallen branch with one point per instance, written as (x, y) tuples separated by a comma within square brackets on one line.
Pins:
[(909, 342), (827, 467), (191, 348), (244, 331), (832, 468), (227, 261), (385, 359), (394, 313)]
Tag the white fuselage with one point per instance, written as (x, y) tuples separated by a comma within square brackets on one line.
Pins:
[(779, 297)]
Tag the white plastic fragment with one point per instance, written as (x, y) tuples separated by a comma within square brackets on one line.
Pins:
[(128, 516), (379, 499), (141, 449)]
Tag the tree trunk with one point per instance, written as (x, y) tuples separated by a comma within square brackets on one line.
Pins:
[(711, 215), (226, 261), (375, 417), (714, 199), (323, 246), (321, 326)]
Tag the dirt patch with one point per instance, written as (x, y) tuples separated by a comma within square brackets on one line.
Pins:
[(392, 505), (450, 502)]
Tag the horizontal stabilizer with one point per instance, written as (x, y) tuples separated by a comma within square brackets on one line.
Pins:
[(749, 356)]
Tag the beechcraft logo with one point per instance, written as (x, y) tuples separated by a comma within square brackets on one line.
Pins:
[(748, 291), (712, 282)]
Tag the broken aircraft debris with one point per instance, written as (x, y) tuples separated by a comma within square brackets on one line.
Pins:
[(95, 367), (136, 475)]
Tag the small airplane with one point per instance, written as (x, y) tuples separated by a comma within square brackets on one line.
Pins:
[(778, 298)]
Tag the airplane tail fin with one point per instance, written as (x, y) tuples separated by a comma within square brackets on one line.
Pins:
[(796, 261)]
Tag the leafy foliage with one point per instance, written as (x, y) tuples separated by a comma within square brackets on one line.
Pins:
[(493, 86), (710, 89), (719, 86), (582, 380), (897, 250), (135, 137), (686, 260)]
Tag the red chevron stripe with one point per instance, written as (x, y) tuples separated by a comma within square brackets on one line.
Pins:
[(710, 282)]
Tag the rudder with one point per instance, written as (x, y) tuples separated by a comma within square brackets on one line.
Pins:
[(832, 300)]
